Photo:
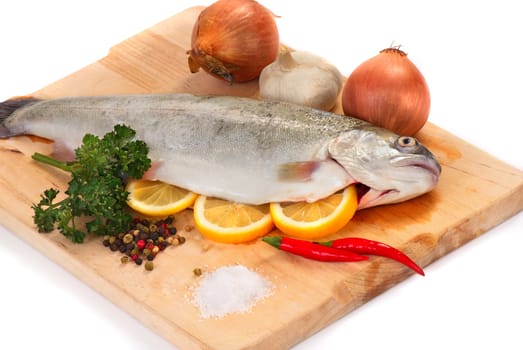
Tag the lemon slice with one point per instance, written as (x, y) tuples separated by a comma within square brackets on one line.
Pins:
[(229, 222), (156, 198), (317, 219)]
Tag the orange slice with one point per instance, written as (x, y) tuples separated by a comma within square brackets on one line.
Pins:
[(317, 219), (229, 222), (156, 198)]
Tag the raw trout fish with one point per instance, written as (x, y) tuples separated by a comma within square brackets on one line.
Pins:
[(240, 149)]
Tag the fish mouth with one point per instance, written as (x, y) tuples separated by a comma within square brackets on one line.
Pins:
[(361, 190), (427, 164), (426, 172), (368, 197)]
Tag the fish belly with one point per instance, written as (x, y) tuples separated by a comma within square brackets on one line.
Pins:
[(252, 184)]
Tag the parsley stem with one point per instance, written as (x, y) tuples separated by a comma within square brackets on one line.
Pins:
[(39, 157)]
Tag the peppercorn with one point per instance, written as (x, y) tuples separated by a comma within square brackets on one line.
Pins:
[(197, 271), (181, 239), (154, 236), (138, 261), (122, 248), (128, 238), (124, 259), (140, 244), (149, 265), (118, 242), (113, 247)]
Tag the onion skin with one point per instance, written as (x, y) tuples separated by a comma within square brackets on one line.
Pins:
[(234, 40), (389, 91)]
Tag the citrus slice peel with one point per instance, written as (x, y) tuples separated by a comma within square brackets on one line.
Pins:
[(156, 198)]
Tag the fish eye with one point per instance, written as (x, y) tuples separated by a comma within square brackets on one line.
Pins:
[(407, 141)]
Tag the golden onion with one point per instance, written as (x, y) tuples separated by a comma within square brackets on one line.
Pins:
[(388, 90), (234, 40)]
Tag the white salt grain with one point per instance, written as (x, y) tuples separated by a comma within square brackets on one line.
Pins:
[(230, 289)]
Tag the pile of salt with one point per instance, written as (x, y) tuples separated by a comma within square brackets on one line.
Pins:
[(230, 289)]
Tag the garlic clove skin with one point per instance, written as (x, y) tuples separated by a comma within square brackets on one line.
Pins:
[(302, 78)]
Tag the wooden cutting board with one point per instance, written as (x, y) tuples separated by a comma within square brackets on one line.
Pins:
[(475, 193)]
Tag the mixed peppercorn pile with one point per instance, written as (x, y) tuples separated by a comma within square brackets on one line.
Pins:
[(144, 240)]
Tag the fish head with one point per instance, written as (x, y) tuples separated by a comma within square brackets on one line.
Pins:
[(388, 168)]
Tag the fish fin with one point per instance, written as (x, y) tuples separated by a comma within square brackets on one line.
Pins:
[(297, 171), (150, 174), (8, 107), (62, 152)]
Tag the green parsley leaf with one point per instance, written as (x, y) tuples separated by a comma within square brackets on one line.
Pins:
[(96, 197)]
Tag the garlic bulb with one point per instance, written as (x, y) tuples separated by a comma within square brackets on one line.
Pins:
[(302, 78)]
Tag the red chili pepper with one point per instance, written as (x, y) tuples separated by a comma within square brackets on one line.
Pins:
[(367, 246), (311, 250)]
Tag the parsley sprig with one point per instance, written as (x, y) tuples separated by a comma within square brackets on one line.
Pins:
[(96, 196)]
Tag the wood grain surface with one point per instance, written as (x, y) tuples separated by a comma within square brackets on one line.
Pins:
[(475, 193)]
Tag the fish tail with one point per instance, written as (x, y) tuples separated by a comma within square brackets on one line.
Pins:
[(9, 107)]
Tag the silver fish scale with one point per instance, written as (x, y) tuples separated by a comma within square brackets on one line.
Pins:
[(230, 129)]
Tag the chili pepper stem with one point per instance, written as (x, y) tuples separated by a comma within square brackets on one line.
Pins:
[(275, 241)]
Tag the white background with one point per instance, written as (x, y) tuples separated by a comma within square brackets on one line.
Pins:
[(470, 54)]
